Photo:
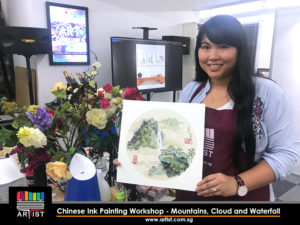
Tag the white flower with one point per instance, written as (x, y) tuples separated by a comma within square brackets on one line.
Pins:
[(110, 111), (75, 90), (107, 95), (97, 118), (116, 101), (94, 73), (30, 136), (96, 64)]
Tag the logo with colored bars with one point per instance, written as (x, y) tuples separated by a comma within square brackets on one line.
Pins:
[(30, 204)]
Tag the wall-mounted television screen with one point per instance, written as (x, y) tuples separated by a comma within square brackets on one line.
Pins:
[(149, 65), (68, 26)]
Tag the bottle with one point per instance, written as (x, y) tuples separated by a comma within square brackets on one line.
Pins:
[(120, 196), (29, 177)]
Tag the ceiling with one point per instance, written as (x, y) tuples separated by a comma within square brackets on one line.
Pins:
[(171, 5)]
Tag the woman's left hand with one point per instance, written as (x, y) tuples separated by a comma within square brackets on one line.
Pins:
[(217, 184)]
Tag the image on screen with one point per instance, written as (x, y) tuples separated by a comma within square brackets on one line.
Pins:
[(69, 34), (150, 66)]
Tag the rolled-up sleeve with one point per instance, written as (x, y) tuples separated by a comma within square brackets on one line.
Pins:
[(283, 150)]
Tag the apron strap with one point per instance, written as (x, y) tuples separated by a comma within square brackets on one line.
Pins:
[(201, 86)]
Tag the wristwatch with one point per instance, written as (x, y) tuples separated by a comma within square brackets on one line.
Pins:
[(242, 190)]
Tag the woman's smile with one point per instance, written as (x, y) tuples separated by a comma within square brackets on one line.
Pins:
[(217, 60)]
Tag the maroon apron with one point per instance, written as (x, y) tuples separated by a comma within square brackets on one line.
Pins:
[(219, 138)]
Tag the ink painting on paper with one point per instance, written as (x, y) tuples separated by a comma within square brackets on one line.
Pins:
[(161, 144)]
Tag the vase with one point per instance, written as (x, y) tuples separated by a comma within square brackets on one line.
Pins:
[(40, 176)]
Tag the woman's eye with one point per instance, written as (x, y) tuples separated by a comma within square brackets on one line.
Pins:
[(224, 46), (204, 47)]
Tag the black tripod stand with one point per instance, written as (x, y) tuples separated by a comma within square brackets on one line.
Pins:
[(29, 78)]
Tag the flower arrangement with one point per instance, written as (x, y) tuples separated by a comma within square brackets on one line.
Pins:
[(83, 116)]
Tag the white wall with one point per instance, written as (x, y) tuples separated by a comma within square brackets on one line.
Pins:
[(105, 20), (285, 63)]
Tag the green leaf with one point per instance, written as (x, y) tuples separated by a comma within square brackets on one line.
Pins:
[(72, 150), (67, 105), (8, 138), (21, 121), (60, 93), (58, 156), (115, 90)]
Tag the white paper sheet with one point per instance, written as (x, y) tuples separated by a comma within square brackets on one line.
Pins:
[(9, 170), (161, 144)]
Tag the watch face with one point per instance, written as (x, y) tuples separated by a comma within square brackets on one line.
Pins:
[(242, 190)]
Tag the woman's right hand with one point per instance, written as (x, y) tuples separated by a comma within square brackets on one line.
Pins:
[(116, 162)]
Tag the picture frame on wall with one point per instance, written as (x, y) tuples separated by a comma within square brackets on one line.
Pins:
[(264, 72), (69, 29)]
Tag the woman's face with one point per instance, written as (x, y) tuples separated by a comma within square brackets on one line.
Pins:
[(217, 60)]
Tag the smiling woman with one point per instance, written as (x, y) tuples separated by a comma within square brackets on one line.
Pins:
[(245, 146), (217, 60)]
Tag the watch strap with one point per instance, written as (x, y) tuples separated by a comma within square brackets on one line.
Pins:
[(239, 181)]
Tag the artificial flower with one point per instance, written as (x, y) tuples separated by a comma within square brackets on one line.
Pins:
[(80, 117), (59, 90), (107, 95), (59, 86), (51, 112), (39, 117), (97, 118), (110, 111), (107, 88), (96, 64), (35, 159), (104, 103), (32, 109), (92, 83), (29, 136), (58, 170)]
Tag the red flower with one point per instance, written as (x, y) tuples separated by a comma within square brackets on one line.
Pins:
[(51, 113), (36, 158), (59, 122), (100, 94), (104, 103), (17, 149), (107, 88), (140, 97), (132, 94)]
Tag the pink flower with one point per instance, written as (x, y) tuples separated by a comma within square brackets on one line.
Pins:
[(107, 88), (104, 103), (100, 94), (132, 94)]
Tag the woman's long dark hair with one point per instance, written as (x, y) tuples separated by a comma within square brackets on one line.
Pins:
[(223, 29)]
